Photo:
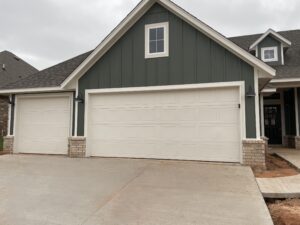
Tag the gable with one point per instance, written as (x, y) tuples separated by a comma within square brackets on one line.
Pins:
[(264, 70), (269, 41), (193, 58)]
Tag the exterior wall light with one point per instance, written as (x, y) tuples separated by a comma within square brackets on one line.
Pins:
[(250, 92), (79, 99)]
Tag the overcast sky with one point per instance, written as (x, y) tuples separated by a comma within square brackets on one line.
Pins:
[(46, 32)]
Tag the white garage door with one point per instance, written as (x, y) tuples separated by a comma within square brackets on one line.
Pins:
[(198, 124), (43, 124)]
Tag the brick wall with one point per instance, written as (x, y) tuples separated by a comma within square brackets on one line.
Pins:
[(8, 144), (77, 147), (254, 153), (3, 116)]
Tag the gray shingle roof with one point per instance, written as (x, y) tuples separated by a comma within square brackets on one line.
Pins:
[(14, 68), (291, 67), (50, 77)]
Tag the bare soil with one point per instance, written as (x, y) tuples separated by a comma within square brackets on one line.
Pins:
[(276, 167), (285, 212)]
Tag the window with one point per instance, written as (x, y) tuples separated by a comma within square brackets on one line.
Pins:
[(269, 54), (157, 40)]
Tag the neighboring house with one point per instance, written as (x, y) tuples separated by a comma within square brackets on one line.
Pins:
[(12, 69), (161, 85)]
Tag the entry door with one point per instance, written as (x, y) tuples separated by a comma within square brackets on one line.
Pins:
[(273, 129), (198, 124)]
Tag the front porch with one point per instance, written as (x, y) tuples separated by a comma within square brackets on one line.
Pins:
[(280, 116)]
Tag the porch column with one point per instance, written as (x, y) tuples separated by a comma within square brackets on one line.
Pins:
[(262, 116), (296, 111), (297, 138)]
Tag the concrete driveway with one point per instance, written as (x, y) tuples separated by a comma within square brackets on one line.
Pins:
[(50, 190)]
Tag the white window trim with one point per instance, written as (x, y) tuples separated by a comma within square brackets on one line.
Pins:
[(275, 54), (164, 25)]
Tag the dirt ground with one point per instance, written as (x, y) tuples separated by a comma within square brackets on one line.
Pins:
[(285, 212), (276, 167)]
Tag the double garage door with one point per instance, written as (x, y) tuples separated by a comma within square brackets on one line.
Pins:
[(198, 124), (191, 124)]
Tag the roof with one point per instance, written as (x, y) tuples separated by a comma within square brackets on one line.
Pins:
[(274, 34), (291, 67), (135, 15), (13, 68), (50, 77)]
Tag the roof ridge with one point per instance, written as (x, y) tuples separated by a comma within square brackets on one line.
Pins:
[(248, 35)]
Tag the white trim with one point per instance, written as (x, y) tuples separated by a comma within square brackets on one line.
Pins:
[(282, 116), (275, 49), (31, 90), (9, 116), (164, 88), (239, 84), (256, 51), (262, 115), (282, 55), (287, 80), (18, 97), (283, 40), (165, 53), (76, 111), (133, 17), (296, 111), (257, 113), (269, 90)]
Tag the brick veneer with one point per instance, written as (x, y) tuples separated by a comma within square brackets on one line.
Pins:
[(254, 153), (8, 144), (289, 141), (3, 116), (77, 146)]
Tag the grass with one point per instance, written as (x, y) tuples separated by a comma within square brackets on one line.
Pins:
[(1, 143)]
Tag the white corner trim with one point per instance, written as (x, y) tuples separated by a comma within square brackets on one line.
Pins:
[(296, 111), (257, 113), (138, 11), (282, 39), (262, 115), (165, 53), (275, 49)]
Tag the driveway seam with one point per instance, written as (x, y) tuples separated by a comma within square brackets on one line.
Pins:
[(117, 193)]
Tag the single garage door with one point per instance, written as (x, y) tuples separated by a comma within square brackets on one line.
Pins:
[(43, 123), (198, 124)]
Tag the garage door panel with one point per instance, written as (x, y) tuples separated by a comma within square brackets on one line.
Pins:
[(43, 124), (200, 124)]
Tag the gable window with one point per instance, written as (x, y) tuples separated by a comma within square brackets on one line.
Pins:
[(157, 40), (269, 54)]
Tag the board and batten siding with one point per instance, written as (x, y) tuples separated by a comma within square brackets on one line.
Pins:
[(193, 58), (270, 42)]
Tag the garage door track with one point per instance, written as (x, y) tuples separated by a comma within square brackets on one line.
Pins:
[(50, 190)]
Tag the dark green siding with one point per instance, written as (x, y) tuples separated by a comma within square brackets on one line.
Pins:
[(193, 58), (270, 42)]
